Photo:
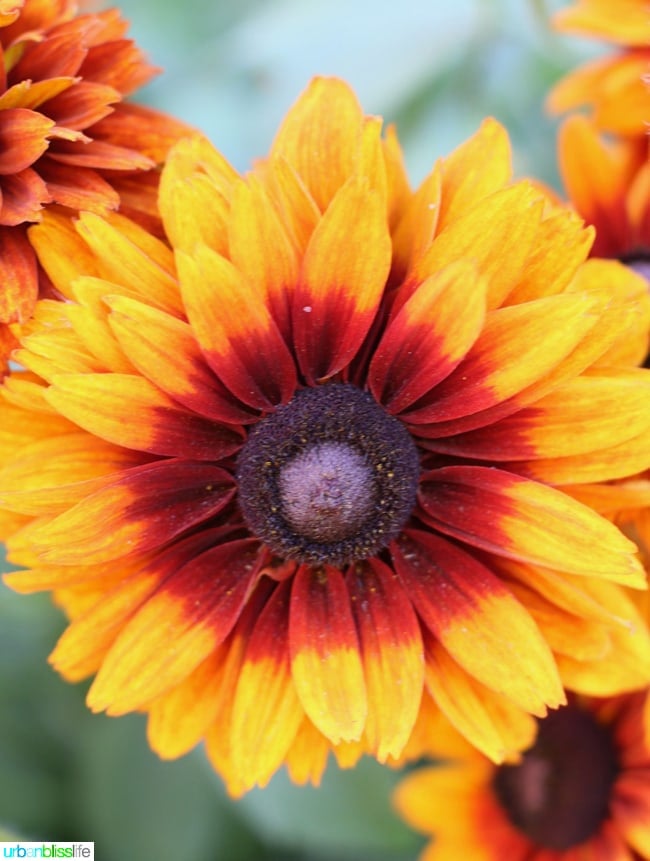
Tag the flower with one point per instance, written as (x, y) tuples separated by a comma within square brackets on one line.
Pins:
[(581, 791), (315, 447), (67, 136), (608, 183), (616, 87)]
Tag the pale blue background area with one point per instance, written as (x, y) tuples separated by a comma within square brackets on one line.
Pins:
[(232, 69)]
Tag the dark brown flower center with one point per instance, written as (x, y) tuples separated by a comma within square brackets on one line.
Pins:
[(329, 477), (558, 795)]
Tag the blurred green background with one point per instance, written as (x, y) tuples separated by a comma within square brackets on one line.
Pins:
[(232, 69)]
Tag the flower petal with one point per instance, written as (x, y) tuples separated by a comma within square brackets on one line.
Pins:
[(18, 276), (520, 519), (325, 660), (428, 338), (478, 621), (497, 233), (164, 350), (144, 509), (129, 255), (391, 651), (189, 615), (52, 474), (79, 187), (179, 719), (343, 276), (130, 411), (263, 728), (261, 250), (492, 723), (518, 345), (85, 643), (24, 137), (320, 137), (228, 313), (585, 415)]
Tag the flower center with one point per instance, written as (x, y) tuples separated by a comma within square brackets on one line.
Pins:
[(559, 793), (329, 477)]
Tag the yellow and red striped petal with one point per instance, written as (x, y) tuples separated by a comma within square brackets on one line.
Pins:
[(164, 350), (325, 660), (264, 728), (584, 415), (518, 346), (615, 462), (130, 411), (188, 616), (391, 652), (478, 621), (513, 517), (227, 313), (343, 276), (145, 508), (428, 338)]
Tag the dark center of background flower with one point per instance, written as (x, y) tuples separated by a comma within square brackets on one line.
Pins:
[(558, 795), (328, 477)]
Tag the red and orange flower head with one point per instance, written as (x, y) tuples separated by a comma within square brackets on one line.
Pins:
[(307, 460), (608, 183), (67, 136), (616, 88), (581, 791)]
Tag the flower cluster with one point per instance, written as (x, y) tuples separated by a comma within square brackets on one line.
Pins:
[(68, 137), (318, 463)]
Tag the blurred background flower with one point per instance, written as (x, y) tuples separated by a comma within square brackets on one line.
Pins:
[(233, 70)]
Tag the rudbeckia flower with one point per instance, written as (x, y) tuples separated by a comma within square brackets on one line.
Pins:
[(616, 87), (581, 791), (67, 137), (306, 458), (608, 183)]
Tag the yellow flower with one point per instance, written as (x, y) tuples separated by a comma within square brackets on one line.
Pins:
[(305, 460)]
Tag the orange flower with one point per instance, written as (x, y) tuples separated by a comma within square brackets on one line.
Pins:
[(615, 88), (608, 184), (66, 135), (581, 791), (317, 449)]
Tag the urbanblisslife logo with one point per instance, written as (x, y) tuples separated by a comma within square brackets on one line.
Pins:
[(11, 849)]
